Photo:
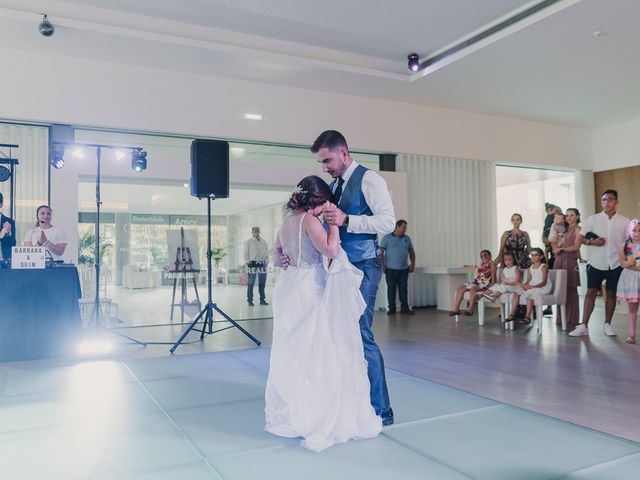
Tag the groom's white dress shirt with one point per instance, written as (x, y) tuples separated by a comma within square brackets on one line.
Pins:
[(377, 196)]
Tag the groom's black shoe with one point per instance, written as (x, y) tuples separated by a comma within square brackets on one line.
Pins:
[(388, 418), (263, 302), (250, 303)]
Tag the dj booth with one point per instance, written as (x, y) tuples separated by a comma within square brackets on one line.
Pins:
[(39, 313)]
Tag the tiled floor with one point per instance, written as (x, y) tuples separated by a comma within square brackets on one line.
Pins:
[(201, 417)]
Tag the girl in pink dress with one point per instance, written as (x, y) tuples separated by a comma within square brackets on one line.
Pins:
[(629, 283)]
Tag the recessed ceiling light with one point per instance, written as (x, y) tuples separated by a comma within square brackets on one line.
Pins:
[(599, 33), (253, 116)]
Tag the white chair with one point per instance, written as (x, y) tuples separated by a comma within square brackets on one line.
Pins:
[(557, 297), (504, 300)]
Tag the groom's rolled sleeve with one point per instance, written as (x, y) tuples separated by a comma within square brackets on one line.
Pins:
[(377, 196)]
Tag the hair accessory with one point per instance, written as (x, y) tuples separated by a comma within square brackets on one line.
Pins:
[(298, 189)]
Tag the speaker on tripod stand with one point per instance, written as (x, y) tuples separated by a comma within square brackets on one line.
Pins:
[(210, 180)]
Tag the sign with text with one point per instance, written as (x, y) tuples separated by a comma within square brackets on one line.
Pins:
[(27, 257)]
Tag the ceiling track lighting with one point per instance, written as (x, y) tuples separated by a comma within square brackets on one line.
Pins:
[(413, 62)]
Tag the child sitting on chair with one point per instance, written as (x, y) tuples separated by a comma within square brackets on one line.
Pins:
[(481, 281), (509, 279), (537, 285)]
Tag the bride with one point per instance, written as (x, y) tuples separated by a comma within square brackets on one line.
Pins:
[(318, 387)]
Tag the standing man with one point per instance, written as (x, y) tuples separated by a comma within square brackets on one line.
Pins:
[(7, 234), (256, 255), (362, 208), (605, 232), (395, 248)]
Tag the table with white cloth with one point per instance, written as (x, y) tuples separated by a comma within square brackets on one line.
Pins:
[(448, 279)]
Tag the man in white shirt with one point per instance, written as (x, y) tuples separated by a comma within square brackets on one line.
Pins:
[(605, 232), (256, 255), (362, 208)]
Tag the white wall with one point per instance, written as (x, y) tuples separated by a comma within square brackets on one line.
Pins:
[(616, 146), (89, 92)]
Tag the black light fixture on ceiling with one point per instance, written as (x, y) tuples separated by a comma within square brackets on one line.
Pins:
[(46, 28), (413, 62), (138, 159), (56, 155)]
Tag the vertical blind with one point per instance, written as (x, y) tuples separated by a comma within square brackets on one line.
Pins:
[(31, 175), (452, 208)]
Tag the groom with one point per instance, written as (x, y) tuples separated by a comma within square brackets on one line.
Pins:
[(363, 210)]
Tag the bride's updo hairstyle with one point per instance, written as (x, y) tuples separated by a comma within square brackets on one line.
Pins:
[(311, 192)]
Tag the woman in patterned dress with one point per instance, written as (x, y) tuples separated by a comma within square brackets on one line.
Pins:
[(517, 242)]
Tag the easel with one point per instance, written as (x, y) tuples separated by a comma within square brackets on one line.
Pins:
[(183, 271)]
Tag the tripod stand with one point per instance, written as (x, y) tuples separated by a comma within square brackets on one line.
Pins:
[(207, 312), (96, 304)]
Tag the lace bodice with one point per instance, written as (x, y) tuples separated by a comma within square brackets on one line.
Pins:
[(296, 244)]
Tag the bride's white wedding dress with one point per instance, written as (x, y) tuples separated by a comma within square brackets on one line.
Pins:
[(318, 387)]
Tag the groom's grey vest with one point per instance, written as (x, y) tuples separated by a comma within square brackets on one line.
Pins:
[(359, 246)]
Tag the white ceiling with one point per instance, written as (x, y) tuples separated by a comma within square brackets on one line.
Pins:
[(549, 68)]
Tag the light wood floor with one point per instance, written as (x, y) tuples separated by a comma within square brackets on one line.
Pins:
[(592, 381)]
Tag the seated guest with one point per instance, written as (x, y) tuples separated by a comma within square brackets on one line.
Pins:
[(481, 282), (537, 284), (7, 234), (46, 235), (509, 279)]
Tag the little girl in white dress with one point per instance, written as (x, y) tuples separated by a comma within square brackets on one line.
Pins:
[(509, 279), (537, 285)]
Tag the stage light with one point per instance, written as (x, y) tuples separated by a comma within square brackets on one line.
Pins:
[(413, 62), (56, 156), (46, 28), (78, 153), (138, 159)]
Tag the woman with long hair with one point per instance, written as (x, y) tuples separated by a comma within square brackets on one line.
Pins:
[(566, 258), (317, 387)]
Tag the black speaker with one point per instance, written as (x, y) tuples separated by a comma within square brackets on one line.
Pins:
[(210, 168)]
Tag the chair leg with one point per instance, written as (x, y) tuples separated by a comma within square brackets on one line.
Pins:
[(481, 312), (563, 312), (540, 317)]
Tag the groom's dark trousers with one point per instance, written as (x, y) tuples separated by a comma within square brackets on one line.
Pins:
[(372, 269), (364, 254)]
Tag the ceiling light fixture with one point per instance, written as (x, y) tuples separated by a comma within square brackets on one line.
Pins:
[(138, 159), (413, 62), (253, 116), (46, 28)]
